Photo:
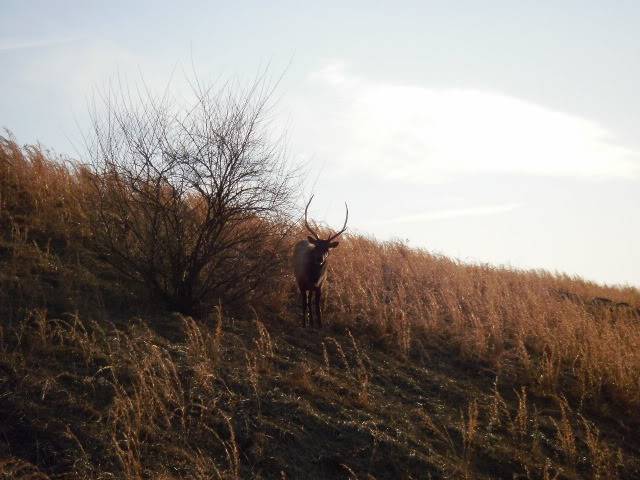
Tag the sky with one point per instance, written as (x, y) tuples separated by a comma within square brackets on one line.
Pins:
[(494, 132)]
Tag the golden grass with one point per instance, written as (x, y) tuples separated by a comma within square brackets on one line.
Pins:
[(554, 360), (124, 402), (519, 323), (544, 326), (40, 196)]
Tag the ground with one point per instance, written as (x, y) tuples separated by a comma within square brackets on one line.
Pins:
[(244, 398)]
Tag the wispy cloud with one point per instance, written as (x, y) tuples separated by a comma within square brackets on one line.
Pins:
[(428, 135), (478, 211), (7, 44)]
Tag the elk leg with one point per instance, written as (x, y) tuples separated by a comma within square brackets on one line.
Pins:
[(318, 296), (303, 293), (309, 307)]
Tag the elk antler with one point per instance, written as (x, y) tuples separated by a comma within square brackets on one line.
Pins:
[(306, 224), (344, 227)]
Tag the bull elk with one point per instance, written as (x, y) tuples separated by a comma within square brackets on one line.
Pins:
[(310, 267)]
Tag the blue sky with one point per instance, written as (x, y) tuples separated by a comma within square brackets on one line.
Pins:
[(490, 131)]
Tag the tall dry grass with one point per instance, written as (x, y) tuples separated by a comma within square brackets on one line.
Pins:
[(42, 229), (153, 407), (163, 407), (48, 257), (561, 333), (40, 196)]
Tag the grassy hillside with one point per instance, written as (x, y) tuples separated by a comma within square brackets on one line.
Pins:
[(428, 368)]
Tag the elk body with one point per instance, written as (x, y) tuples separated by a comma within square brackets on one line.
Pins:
[(310, 267)]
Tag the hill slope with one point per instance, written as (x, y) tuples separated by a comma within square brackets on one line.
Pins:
[(238, 398), (427, 367)]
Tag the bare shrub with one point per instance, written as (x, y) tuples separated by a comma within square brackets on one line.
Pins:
[(190, 202)]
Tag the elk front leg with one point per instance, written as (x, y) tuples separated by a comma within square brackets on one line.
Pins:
[(303, 294), (318, 296)]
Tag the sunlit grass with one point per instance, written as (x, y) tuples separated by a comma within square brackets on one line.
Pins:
[(427, 366)]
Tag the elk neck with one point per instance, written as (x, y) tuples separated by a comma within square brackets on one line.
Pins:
[(317, 265)]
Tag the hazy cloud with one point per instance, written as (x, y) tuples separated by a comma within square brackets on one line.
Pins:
[(427, 135)]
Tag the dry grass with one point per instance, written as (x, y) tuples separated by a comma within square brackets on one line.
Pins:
[(231, 398), (44, 235), (428, 367), (518, 323)]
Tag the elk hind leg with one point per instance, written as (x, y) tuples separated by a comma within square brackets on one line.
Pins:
[(305, 303)]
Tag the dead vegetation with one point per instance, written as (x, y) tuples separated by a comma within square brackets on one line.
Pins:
[(428, 368), (189, 202)]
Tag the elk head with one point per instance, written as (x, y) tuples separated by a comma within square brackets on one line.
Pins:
[(321, 251)]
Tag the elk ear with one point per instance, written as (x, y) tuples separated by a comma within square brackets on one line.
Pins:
[(312, 240), (333, 244)]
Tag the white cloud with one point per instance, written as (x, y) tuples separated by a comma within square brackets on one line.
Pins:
[(427, 135), (479, 211)]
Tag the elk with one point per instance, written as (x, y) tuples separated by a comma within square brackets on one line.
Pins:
[(310, 267)]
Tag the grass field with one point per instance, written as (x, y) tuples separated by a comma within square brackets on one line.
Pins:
[(427, 367)]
